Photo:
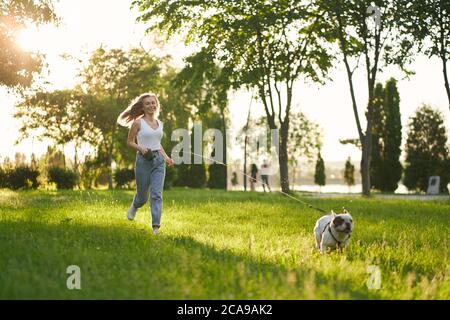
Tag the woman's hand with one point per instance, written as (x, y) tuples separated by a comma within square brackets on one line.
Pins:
[(169, 161), (142, 150)]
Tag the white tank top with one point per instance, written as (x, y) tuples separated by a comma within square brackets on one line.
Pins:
[(148, 137)]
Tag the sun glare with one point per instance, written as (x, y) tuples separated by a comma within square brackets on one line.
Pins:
[(40, 39)]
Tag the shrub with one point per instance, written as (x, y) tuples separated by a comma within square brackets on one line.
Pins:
[(3, 178), (64, 179), (124, 177), (217, 176), (171, 176), (197, 176), (22, 177)]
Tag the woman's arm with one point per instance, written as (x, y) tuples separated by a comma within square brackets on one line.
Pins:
[(132, 138), (166, 157)]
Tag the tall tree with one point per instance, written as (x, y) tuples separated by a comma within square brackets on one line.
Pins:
[(386, 169), (392, 138), (367, 30), (206, 87), (319, 175), (428, 22), (304, 141), (378, 127), (426, 149), (17, 66), (266, 46), (349, 173), (56, 115)]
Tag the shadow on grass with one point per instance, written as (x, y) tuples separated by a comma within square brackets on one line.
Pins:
[(122, 262)]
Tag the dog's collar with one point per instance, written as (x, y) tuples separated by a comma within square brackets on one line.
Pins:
[(339, 243)]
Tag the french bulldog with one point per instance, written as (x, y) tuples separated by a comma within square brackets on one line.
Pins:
[(333, 231)]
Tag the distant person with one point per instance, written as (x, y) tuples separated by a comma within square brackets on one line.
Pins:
[(253, 174), (265, 175), (145, 136), (234, 179)]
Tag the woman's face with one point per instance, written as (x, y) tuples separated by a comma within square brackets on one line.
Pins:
[(150, 105)]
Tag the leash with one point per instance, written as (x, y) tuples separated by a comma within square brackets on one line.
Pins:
[(284, 193)]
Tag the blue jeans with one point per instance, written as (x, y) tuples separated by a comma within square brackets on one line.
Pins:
[(150, 179)]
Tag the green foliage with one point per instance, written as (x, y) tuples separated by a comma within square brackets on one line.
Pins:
[(170, 178), (265, 47), (124, 177), (197, 176), (4, 180), (426, 150), (378, 44), (217, 178), (304, 138), (378, 128), (392, 137), (63, 178), (385, 167), (182, 178), (89, 171), (427, 22), (205, 87), (54, 158), (319, 175), (21, 177), (56, 115), (17, 66), (349, 173)]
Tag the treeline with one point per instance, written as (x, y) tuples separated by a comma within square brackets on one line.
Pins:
[(84, 117), (426, 147)]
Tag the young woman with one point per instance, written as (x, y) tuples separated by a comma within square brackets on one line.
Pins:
[(145, 136)]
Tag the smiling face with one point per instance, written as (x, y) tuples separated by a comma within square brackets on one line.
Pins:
[(150, 105)]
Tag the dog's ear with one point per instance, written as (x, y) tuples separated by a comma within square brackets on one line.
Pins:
[(344, 210), (333, 214)]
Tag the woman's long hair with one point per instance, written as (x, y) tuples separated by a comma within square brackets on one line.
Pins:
[(136, 110)]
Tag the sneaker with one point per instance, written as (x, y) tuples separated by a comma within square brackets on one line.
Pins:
[(131, 212), (155, 230)]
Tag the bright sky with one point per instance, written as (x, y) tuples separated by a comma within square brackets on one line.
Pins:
[(87, 24)]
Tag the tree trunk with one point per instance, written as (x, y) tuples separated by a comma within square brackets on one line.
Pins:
[(365, 166), (283, 159), (367, 146), (110, 151), (245, 144), (224, 128), (447, 86)]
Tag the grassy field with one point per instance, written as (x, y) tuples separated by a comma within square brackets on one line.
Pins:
[(217, 245)]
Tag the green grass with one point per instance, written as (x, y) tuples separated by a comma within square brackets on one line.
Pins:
[(217, 245)]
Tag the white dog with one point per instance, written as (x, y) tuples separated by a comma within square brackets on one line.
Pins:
[(333, 231)]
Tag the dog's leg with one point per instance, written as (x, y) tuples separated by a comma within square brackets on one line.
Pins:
[(317, 240), (322, 247)]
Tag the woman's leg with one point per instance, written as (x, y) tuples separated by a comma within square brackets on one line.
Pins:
[(142, 172), (158, 173)]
